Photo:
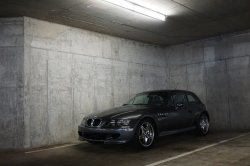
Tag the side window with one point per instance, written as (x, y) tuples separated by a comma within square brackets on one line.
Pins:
[(192, 99), (180, 98), (156, 99), (170, 102)]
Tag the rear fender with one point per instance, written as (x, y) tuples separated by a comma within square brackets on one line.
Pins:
[(196, 119)]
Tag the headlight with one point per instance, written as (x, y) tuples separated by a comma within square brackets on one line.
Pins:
[(83, 121), (111, 123), (123, 122)]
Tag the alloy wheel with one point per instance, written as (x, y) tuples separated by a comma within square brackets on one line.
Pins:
[(204, 124), (146, 134)]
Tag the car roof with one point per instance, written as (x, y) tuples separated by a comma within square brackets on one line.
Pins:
[(167, 90)]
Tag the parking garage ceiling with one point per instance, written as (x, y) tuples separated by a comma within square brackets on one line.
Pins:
[(187, 20)]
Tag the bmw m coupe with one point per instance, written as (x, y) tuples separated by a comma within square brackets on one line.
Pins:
[(145, 117)]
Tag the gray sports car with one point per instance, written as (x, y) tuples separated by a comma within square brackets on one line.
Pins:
[(146, 116)]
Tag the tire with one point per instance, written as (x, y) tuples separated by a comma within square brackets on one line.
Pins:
[(145, 134), (202, 126)]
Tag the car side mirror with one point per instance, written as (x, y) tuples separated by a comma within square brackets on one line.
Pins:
[(179, 105)]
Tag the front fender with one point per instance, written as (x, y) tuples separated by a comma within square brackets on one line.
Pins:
[(156, 124)]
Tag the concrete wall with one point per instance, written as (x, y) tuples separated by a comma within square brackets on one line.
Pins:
[(70, 73), (218, 71), (11, 83), (53, 75)]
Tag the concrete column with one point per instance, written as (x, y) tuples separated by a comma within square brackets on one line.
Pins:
[(11, 83)]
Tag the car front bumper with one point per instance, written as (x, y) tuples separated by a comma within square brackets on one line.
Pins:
[(106, 135)]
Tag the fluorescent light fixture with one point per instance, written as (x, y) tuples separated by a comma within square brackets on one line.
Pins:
[(139, 9), (122, 3)]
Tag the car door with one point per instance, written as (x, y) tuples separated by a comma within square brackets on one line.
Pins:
[(179, 114), (193, 103), (173, 121), (170, 117), (161, 113)]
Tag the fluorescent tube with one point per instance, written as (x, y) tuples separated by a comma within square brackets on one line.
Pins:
[(149, 13), (122, 3), (138, 9)]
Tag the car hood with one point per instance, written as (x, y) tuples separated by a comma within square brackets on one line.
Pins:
[(127, 111)]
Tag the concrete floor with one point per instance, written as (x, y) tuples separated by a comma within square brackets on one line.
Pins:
[(233, 152)]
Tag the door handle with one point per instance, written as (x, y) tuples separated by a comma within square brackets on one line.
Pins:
[(190, 111)]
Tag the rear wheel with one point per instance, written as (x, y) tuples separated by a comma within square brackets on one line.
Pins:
[(145, 135), (202, 126)]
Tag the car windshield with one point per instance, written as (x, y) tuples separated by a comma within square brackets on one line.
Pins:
[(149, 98)]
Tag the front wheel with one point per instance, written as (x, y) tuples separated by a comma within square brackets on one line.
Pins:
[(202, 126), (145, 135)]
